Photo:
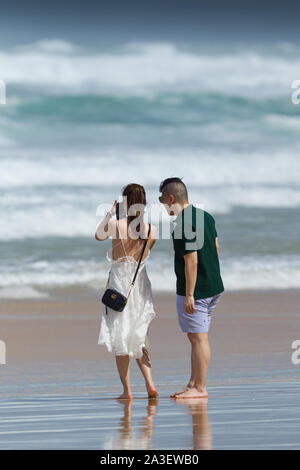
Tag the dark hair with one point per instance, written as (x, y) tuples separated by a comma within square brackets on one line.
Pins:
[(135, 194), (176, 187), (168, 181)]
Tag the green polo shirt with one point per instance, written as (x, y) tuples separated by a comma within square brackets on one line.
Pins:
[(195, 231)]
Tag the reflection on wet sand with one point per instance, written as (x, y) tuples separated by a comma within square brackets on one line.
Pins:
[(140, 435), (202, 439), (143, 439)]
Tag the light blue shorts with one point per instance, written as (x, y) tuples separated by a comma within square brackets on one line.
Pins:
[(199, 321)]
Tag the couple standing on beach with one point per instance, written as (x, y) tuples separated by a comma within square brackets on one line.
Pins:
[(199, 284)]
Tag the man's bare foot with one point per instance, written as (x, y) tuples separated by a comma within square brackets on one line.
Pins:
[(193, 393), (181, 391), (125, 396)]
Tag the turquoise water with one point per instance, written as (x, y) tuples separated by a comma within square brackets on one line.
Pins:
[(88, 120)]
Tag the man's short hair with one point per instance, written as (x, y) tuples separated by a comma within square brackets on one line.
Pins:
[(176, 187)]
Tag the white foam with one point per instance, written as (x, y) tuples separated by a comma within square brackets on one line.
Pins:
[(283, 122), (150, 167), (148, 67), (78, 218), (261, 181), (245, 272), (266, 272), (55, 274), (21, 292)]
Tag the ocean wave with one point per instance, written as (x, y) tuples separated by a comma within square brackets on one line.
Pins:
[(149, 166), (5, 142), (40, 196), (72, 214), (22, 292), (176, 109), (54, 274), (147, 68), (243, 273), (265, 272), (283, 123)]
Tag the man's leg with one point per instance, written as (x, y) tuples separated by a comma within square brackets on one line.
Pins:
[(191, 382), (200, 359), (199, 321), (200, 362), (181, 318)]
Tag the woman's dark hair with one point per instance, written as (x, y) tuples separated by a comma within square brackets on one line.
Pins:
[(135, 194)]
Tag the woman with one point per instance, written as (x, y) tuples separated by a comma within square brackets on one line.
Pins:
[(125, 333)]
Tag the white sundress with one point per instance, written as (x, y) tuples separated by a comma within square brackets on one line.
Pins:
[(125, 333)]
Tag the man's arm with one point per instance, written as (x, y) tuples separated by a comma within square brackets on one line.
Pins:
[(191, 267), (217, 245)]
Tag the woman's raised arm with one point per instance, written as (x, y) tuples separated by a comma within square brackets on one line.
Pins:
[(105, 227)]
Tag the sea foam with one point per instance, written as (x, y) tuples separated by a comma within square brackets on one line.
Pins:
[(147, 68)]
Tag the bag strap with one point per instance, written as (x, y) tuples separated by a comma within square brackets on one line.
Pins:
[(141, 255), (139, 263), (138, 266)]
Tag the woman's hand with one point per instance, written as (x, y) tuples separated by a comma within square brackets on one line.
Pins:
[(113, 210), (102, 229)]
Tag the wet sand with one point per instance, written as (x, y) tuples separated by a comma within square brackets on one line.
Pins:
[(247, 416), (58, 386)]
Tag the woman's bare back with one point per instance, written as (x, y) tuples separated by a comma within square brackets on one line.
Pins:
[(123, 245)]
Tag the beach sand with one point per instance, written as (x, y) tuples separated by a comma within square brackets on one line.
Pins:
[(57, 377), (253, 323)]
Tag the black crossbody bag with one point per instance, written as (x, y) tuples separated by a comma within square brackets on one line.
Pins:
[(114, 299)]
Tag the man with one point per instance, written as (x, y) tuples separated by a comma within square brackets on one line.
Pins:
[(199, 284)]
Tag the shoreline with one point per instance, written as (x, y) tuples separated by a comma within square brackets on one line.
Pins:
[(80, 294)]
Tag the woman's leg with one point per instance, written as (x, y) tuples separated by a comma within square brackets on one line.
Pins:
[(123, 363), (145, 366)]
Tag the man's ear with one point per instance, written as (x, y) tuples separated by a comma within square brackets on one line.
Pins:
[(172, 199)]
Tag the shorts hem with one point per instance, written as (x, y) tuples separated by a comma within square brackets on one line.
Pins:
[(197, 332)]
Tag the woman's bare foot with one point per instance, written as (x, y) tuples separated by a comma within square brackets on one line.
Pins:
[(125, 396), (193, 393), (152, 393)]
